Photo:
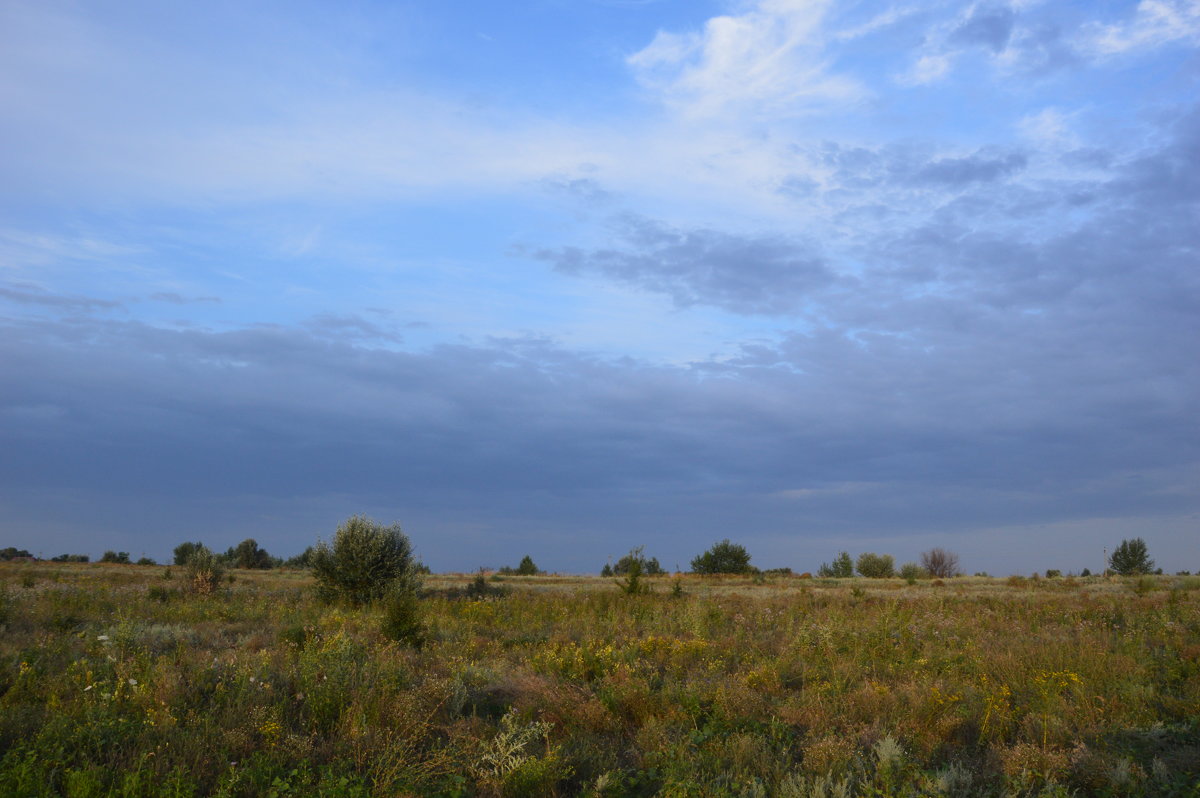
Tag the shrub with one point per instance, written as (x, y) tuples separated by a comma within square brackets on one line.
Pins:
[(402, 615), (911, 572), (723, 558), (116, 556), (365, 561), (1131, 558), (204, 571), (842, 567), (527, 567), (1053, 573), (632, 585), (71, 558), (875, 566), (12, 553), (940, 563), (146, 561), (1086, 572)]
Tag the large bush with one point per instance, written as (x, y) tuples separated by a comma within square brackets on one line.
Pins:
[(876, 566), (1131, 557), (364, 563), (723, 558)]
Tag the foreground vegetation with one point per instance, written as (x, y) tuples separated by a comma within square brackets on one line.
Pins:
[(117, 680)]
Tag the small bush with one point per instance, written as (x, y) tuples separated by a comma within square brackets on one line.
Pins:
[(204, 571), (402, 616), (1053, 573), (121, 557), (911, 572), (633, 585), (364, 563)]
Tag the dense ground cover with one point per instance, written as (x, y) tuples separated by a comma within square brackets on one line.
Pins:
[(116, 681)]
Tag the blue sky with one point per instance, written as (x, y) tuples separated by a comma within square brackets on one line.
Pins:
[(568, 277)]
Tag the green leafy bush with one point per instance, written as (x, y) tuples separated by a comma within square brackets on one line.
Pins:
[(724, 557), (911, 572), (875, 566), (204, 571), (402, 616), (365, 561)]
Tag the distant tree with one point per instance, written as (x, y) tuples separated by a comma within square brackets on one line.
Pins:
[(301, 560), (911, 572), (842, 567), (940, 564), (1086, 572), (184, 551), (115, 556), (10, 553), (71, 558), (607, 570), (146, 561), (247, 554), (723, 557), (875, 566), (646, 566), (527, 567), (1053, 573), (1131, 557)]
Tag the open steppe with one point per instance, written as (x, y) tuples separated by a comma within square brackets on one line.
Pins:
[(117, 680)]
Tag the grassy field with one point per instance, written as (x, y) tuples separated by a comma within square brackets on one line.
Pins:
[(116, 681)]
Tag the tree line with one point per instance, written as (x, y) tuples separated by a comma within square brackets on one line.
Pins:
[(1131, 557)]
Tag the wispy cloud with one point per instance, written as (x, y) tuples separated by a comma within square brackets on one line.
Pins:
[(769, 59), (1154, 24)]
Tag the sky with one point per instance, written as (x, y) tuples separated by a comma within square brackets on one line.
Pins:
[(566, 277)]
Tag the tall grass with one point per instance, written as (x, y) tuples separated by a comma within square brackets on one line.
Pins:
[(112, 682)]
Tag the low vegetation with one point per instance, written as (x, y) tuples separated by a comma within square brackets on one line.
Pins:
[(120, 679)]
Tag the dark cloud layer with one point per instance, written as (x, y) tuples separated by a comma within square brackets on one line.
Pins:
[(766, 274)]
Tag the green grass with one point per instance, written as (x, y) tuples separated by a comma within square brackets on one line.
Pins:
[(116, 681)]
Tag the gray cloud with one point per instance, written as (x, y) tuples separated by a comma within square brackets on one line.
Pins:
[(178, 299), (28, 294), (743, 274), (977, 168)]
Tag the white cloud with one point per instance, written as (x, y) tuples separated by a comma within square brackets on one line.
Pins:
[(1155, 23), (1049, 127), (767, 60), (876, 23), (928, 69)]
